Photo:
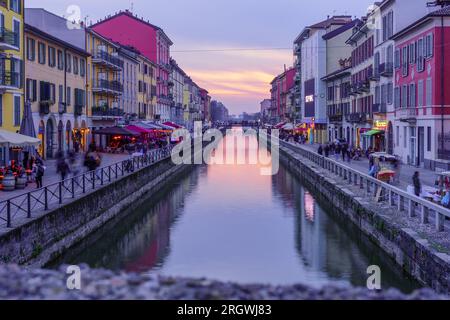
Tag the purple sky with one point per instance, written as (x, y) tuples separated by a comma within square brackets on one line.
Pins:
[(239, 78)]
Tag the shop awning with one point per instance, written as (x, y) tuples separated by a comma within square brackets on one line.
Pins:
[(279, 125), (16, 140), (373, 133), (288, 126), (115, 131), (139, 130), (172, 124)]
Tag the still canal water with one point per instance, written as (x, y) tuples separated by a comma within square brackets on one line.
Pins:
[(228, 222)]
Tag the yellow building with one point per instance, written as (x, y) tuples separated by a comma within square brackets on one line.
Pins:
[(146, 89), (55, 86), (105, 89), (11, 64), (186, 103)]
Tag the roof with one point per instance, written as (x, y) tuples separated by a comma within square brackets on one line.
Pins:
[(95, 33), (443, 12), (48, 37), (337, 74), (130, 14), (340, 20), (340, 30)]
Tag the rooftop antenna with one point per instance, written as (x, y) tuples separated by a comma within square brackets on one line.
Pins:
[(132, 7)]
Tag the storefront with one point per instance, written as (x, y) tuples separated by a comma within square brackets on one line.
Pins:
[(375, 137)]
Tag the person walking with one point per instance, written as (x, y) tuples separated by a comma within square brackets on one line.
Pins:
[(344, 152), (40, 169), (320, 150), (62, 168), (337, 151), (417, 184), (327, 150)]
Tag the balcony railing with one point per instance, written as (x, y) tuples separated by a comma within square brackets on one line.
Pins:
[(386, 69), (9, 39), (379, 108), (78, 110), (44, 106), (108, 86), (357, 117), (105, 58), (107, 112), (363, 86), (406, 114), (62, 108), (9, 79), (335, 118)]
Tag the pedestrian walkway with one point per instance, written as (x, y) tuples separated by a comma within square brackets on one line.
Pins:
[(427, 177), (51, 176)]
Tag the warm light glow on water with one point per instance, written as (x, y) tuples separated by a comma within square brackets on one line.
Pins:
[(229, 222)]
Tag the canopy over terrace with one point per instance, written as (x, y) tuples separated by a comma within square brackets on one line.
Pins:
[(16, 140), (138, 129), (116, 131), (172, 124)]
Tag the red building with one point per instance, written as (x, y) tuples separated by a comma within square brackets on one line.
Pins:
[(282, 95), (129, 30), (420, 122), (206, 104)]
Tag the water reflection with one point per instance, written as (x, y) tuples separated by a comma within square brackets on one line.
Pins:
[(228, 222)]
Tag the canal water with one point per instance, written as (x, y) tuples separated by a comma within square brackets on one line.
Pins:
[(229, 222)]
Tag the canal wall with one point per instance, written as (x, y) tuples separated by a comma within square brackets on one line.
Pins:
[(425, 260), (43, 239)]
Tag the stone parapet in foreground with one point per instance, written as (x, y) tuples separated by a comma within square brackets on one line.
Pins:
[(20, 283)]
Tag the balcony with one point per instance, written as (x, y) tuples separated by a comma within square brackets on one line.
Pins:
[(106, 112), (335, 118), (78, 110), (105, 59), (62, 108), (357, 117), (164, 100), (379, 108), (406, 114), (9, 80), (386, 69), (363, 86), (44, 106), (105, 86), (9, 40)]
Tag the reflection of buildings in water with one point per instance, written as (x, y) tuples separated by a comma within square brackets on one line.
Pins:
[(285, 186), (309, 204)]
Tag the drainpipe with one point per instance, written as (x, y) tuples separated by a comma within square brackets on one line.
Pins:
[(442, 83)]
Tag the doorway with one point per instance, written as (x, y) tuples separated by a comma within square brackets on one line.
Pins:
[(421, 146)]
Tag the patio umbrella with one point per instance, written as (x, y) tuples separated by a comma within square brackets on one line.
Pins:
[(115, 131), (288, 126), (27, 125), (15, 140)]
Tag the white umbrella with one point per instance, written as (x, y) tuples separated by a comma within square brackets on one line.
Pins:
[(16, 140), (288, 126)]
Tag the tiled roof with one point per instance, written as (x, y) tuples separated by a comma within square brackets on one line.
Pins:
[(441, 12)]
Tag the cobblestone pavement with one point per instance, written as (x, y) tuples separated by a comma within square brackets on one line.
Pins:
[(20, 283), (51, 176)]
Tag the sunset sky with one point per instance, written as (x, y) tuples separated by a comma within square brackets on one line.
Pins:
[(213, 38)]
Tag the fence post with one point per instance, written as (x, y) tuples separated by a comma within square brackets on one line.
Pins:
[(8, 214), (84, 182), (109, 173), (101, 177), (73, 187), (439, 221), (45, 199), (60, 192), (117, 170), (424, 214), (411, 211), (29, 205)]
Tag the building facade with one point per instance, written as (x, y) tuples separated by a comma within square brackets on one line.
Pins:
[(311, 55), (146, 89), (421, 118), (129, 30), (12, 65), (128, 77), (55, 73), (176, 85)]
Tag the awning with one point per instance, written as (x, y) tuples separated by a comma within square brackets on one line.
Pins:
[(172, 124), (139, 130), (288, 126), (278, 126), (16, 140), (115, 131), (373, 133)]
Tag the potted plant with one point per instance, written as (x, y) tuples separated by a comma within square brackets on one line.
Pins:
[(21, 180), (9, 181)]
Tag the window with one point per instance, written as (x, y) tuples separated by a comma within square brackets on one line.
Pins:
[(429, 92), (68, 62), (1, 110), (429, 139), (41, 53), (390, 89), (68, 96), (51, 57), (405, 61), (60, 60), (82, 67), (31, 90), (377, 64), (397, 136), (75, 65), (420, 57), (405, 136), (79, 97), (15, 5), (377, 94), (31, 49), (429, 45), (383, 94), (420, 93), (412, 95), (412, 53), (404, 96), (17, 111), (397, 59), (61, 93), (389, 54), (16, 32)]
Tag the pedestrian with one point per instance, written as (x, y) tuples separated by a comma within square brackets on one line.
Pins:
[(320, 150), (344, 152), (337, 151), (327, 150), (40, 169), (62, 168), (416, 183), (349, 156)]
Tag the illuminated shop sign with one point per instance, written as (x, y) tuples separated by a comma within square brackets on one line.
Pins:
[(309, 98)]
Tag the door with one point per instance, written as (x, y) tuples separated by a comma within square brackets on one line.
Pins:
[(421, 146), (49, 139), (412, 146), (390, 138)]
